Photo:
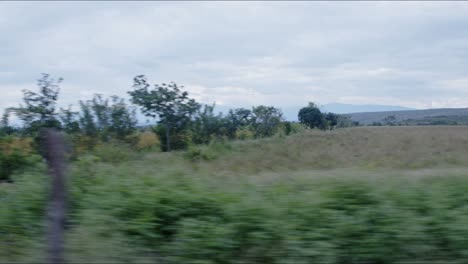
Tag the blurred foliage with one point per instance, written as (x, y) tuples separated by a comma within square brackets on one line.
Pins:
[(255, 200), (244, 133), (129, 206), (15, 154), (210, 152), (170, 104), (266, 120), (181, 138), (114, 152), (39, 109), (22, 209), (147, 140)]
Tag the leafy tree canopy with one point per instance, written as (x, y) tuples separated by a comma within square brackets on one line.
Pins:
[(40, 107), (168, 102), (311, 116)]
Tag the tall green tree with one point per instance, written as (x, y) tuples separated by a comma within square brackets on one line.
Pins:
[(4, 122), (39, 109), (86, 120), (236, 119), (101, 109), (167, 102), (331, 120), (122, 118), (311, 116), (5, 128), (206, 125), (107, 118), (266, 120), (69, 120)]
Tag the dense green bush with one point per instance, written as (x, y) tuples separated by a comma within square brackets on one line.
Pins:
[(14, 155), (22, 211), (10, 163)]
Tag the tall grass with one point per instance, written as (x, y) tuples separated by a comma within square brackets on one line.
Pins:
[(361, 195), (368, 147)]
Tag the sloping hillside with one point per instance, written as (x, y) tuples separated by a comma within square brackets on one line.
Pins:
[(371, 117), (340, 108)]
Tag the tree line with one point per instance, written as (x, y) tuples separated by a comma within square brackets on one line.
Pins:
[(181, 120)]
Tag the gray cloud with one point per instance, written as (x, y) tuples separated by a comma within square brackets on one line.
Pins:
[(241, 53)]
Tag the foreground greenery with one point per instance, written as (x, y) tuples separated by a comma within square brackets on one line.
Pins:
[(276, 200)]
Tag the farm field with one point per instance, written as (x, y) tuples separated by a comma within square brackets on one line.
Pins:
[(353, 195)]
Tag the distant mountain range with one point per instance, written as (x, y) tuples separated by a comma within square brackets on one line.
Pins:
[(416, 117), (351, 108)]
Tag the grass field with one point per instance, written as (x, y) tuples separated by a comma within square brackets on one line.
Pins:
[(357, 195)]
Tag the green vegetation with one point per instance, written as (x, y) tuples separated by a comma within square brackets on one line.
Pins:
[(166, 101), (40, 107), (312, 117), (180, 121), (356, 195), (15, 154), (245, 187)]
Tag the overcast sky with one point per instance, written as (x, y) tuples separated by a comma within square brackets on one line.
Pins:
[(412, 54)]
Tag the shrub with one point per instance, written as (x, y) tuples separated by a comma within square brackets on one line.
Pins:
[(198, 153), (9, 163), (14, 153), (81, 144), (287, 127), (114, 152), (211, 152), (147, 140), (22, 209), (86, 166), (297, 128), (244, 133), (180, 139)]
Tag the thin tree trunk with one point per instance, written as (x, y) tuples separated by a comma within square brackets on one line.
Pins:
[(168, 140), (54, 153)]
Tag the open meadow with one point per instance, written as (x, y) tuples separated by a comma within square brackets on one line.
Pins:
[(353, 195)]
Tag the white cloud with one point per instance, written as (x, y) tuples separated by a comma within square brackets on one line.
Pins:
[(459, 84), (242, 53)]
